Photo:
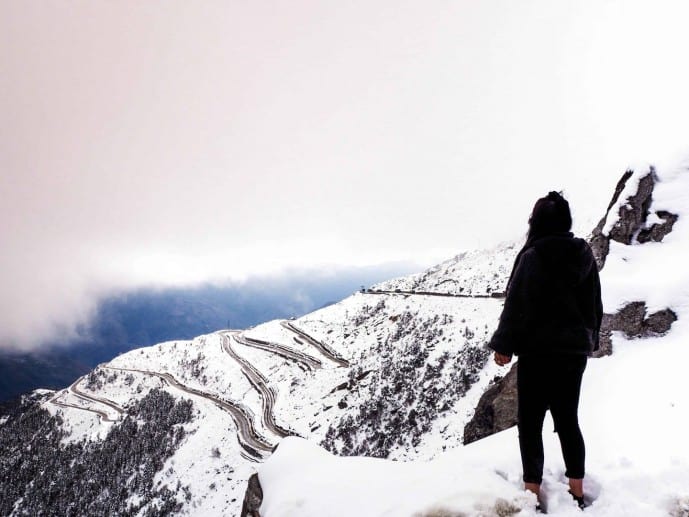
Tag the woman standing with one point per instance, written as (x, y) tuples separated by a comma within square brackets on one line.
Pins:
[(551, 320)]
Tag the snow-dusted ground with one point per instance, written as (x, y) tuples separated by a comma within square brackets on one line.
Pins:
[(634, 415), (476, 272), (368, 328)]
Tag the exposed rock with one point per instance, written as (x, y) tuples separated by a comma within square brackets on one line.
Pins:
[(630, 223), (629, 319), (497, 409), (632, 321), (252, 498), (659, 323), (632, 214), (630, 218), (605, 339), (600, 243), (658, 230)]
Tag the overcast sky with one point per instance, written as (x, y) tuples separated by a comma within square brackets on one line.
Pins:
[(174, 142)]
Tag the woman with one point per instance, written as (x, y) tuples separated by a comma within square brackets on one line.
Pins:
[(551, 320)]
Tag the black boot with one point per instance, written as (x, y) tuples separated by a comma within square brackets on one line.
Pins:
[(579, 500)]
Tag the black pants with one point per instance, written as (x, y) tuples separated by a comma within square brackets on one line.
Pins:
[(554, 383)]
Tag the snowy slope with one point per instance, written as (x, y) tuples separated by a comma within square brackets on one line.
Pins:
[(472, 273), (337, 376), (384, 374), (634, 415), (638, 461)]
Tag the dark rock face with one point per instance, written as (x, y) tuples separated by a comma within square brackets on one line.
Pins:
[(600, 244), (659, 230), (632, 321), (252, 498), (659, 323), (631, 218), (497, 409), (632, 215), (605, 337)]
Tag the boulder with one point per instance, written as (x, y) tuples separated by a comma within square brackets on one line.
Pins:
[(632, 321), (253, 497), (496, 410), (657, 231)]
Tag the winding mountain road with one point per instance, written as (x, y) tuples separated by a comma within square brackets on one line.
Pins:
[(252, 443), (99, 400), (494, 296), (322, 347), (260, 384), (101, 414), (74, 390), (305, 361)]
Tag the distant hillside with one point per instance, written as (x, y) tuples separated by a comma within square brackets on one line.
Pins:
[(20, 373), (148, 316)]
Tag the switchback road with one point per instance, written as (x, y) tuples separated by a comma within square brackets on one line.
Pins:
[(431, 293), (254, 444), (322, 347), (303, 360), (260, 384), (101, 414), (99, 400)]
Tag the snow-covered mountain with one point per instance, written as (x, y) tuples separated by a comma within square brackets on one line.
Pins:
[(394, 372), (388, 375)]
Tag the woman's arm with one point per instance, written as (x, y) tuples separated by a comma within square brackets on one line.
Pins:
[(505, 340)]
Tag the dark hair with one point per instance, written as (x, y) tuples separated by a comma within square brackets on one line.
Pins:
[(550, 215)]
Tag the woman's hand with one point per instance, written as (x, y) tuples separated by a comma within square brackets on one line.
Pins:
[(502, 359)]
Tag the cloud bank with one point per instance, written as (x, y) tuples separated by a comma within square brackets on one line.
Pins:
[(173, 143)]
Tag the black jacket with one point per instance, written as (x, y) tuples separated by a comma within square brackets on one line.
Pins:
[(553, 303)]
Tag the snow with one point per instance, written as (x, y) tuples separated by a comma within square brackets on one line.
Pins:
[(216, 482), (475, 272), (634, 415), (655, 271), (636, 466)]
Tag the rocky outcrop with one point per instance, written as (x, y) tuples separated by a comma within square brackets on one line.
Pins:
[(631, 218), (632, 214), (253, 497), (632, 321), (497, 409), (657, 231)]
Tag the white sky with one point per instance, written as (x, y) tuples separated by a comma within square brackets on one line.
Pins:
[(174, 142)]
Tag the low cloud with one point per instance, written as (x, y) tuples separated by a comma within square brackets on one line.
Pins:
[(52, 297), (235, 140)]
